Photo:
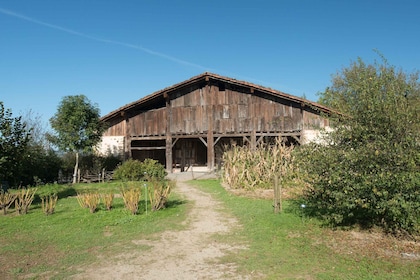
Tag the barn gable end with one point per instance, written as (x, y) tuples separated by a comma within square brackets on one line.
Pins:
[(188, 123)]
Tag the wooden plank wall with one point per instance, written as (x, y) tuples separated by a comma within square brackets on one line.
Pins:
[(234, 112), (116, 129)]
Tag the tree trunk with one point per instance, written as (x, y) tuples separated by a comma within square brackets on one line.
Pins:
[(76, 167)]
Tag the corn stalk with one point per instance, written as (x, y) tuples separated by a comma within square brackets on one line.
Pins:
[(24, 200)]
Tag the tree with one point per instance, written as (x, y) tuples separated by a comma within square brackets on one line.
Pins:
[(77, 126), (14, 138), (367, 170)]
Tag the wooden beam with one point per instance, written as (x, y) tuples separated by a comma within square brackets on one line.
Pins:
[(202, 140), (217, 140), (148, 148), (173, 143)]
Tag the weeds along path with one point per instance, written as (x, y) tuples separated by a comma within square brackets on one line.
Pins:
[(187, 254)]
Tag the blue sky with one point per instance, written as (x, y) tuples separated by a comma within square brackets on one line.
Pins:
[(116, 52)]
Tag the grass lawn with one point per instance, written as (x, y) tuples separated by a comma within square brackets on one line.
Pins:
[(34, 244), (291, 246)]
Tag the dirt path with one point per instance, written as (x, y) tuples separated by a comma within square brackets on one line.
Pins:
[(188, 254)]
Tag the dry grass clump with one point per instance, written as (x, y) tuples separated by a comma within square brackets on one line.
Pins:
[(89, 200), (159, 194), (24, 200), (131, 199), (6, 200), (108, 200), (48, 203)]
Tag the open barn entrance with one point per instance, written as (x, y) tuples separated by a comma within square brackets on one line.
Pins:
[(189, 152)]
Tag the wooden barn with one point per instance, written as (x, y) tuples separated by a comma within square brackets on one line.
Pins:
[(191, 122)]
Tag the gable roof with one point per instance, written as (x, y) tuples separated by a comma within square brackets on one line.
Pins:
[(205, 77)]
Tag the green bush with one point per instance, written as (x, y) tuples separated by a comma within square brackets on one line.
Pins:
[(153, 169), (367, 170), (130, 170), (134, 170)]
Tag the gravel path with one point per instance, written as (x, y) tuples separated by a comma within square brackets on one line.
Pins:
[(187, 254)]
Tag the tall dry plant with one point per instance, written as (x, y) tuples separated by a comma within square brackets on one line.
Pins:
[(24, 200), (246, 168), (6, 200), (48, 203), (108, 200), (159, 193), (131, 199), (89, 200)]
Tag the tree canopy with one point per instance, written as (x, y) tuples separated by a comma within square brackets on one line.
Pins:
[(77, 126), (14, 138), (367, 170)]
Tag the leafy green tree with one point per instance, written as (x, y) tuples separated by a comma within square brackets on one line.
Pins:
[(77, 126), (14, 138), (41, 163), (367, 170)]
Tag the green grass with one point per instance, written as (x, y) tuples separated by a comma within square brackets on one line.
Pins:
[(292, 246), (35, 243)]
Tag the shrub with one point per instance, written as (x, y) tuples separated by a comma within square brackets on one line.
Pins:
[(153, 169), (367, 170), (48, 203), (24, 200), (108, 200), (134, 170), (131, 199), (130, 170), (89, 200), (6, 200), (159, 193)]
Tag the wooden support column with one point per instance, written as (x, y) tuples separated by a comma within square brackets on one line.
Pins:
[(251, 113), (210, 137), (127, 136), (168, 144)]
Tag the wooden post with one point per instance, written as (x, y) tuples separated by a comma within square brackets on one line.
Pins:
[(251, 113), (210, 137), (278, 207), (127, 137), (168, 146)]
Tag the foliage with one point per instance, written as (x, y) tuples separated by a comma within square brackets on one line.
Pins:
[(89, 200), (131, 197), (14, 138), (130, 170), (153, 169), (249, 168), (159, 193), (367, 170), (134, 170), (24, 199), (6, 200), (41, 163), (77, 126), (48, 203)]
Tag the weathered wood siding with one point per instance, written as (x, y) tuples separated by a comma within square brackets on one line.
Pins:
[(234, 111), (149, 123), (115, 129)]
